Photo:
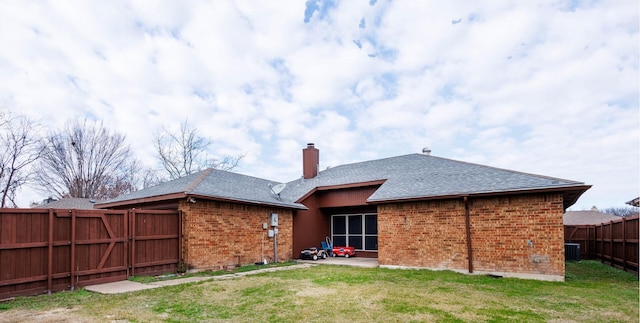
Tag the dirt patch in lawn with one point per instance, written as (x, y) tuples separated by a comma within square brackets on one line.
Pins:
[(48, 316)]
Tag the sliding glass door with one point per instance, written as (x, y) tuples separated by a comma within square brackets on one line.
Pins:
[(355, 230)]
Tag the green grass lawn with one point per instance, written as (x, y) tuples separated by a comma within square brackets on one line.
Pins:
[(592, 293)]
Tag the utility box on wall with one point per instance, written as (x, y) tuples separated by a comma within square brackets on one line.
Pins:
[(274, 219)]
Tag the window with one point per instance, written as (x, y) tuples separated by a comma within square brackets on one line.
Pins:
[(356, 230)]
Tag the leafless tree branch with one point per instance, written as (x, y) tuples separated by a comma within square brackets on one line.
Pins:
[(186, 152), (19, 148), (85, 160)]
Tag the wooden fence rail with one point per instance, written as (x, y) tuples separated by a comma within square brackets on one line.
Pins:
[(614, 243), (47, 250)]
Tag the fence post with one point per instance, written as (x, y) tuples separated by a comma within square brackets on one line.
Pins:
[(624, 245), (50, 255), (180, 259), (73, 248), (611, 242), (133, 242), (600, 243), (593, 249), (587, 242), (125, 222)]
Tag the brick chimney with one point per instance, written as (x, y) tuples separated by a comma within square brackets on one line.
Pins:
[(310, 161)]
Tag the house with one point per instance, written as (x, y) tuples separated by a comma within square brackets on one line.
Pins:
[(68, 203), (226, 217), (591, 217), (411, 211)]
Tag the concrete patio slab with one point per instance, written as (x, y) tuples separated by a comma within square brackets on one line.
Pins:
[(123, 286), (351, 261), (127, 286)]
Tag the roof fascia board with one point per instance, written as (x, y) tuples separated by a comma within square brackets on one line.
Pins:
[(222, 199), (582, 188), (158, 198), (185, 195)]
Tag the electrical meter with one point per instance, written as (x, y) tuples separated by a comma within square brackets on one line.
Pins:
[(274, 219)]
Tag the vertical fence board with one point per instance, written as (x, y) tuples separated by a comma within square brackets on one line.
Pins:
[(614, 243)]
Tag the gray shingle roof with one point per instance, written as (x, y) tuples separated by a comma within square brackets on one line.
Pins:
[(420, 176), (587, 217), (70, 203), (239, 187), (404, 177), (215, 184)]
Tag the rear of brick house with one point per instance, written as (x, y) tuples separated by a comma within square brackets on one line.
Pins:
[(422, 211), (411, 211)]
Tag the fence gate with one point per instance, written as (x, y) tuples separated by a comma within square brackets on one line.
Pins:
[(155, 241), (98, 246), (45, 250)]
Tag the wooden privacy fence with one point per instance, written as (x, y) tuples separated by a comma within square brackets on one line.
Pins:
[(46, 250), (614, 243)]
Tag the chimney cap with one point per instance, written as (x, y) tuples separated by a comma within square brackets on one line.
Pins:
[(310, 145), (426, 151)]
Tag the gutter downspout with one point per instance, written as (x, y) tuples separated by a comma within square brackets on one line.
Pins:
[(468, 229)]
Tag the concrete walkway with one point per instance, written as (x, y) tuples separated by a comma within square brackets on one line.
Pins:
[(127, 286)]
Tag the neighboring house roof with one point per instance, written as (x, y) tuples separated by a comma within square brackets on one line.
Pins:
[(401, 178), (210, 184), (587, 217), (70, 203), (418, 176), (635, 202)]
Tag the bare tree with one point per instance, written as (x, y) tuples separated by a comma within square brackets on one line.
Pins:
[(19, 148), (137, 176), (85, 160), (186, 152), (149, 177), (626, 211)]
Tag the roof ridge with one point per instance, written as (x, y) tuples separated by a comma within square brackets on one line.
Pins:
[(368, 161), (204, 174)]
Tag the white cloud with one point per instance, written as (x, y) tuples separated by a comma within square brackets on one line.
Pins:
[(549, 88)]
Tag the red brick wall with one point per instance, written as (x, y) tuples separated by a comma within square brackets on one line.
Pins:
[(432, 234), (501, 229), (422, 234), (227, 234)]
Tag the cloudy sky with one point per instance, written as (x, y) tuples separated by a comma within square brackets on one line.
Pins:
[(546, 87)]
